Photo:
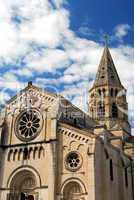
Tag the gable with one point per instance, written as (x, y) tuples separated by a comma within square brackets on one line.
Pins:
[(31, 97)]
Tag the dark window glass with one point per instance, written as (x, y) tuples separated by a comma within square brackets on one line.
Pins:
[(116, 92), (104, 92), (126, 177), (111, 170), (101, 109), (112, 92), (22, 196), (99, 91), (114, 110)]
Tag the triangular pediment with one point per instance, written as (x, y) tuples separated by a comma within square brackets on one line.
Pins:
[(31, 96)]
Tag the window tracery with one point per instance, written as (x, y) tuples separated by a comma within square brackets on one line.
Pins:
[(28, 124), (73, 161)]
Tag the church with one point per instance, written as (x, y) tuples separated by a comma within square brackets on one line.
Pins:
[(52, 150)]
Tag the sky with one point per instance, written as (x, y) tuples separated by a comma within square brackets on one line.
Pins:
[(58, 45)]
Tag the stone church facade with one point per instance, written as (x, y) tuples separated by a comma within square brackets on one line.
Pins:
[(51, 150)]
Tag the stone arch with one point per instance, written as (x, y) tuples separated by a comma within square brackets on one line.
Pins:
[(72, 144), (72, 190), (80, 146), (19, 180), (74, 180), (23, 184), (22, 170)]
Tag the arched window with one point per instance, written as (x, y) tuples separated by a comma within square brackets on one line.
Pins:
[(99, 92), (30, 153), (104, 92), (35, 153), (10, 155), (20, 154), (114, 110), (22, 186), (101, 109), (41, 152), (112, 92), (72, 191), (15, 154), (116, 92), (25, 154)]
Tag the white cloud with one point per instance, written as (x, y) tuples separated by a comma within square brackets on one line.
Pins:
[(48, 61), (4, 96), (46, 24), (23, 72), (84, 30), (10, 81), (47, 30), (39, 23), (122, 30)]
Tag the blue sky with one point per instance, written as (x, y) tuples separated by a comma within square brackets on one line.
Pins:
[(58, 45), (102, 16)]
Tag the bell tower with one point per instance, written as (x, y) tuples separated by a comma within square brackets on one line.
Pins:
[(107, 97)]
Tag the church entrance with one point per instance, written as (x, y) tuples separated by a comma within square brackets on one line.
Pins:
[(23, 187), (72, 191)]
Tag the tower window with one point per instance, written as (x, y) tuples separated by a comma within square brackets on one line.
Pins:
[(104, 92), (116, 92), (99, 91), (101, 109), (111, 170), (114, 110), (126, 177), (111, 92)]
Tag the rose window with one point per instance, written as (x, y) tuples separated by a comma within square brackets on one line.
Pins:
[(73, 161), (29, 124)]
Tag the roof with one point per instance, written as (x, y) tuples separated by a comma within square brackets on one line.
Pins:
[(65, 111), (107, 73)]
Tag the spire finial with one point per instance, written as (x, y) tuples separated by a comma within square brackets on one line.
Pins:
[(106, 39), (29, 83)]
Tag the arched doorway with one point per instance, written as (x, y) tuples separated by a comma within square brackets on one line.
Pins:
[(23, 186), (73, 191)]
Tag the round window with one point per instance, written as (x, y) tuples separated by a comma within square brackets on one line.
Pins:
[(73, 161), (28, 125)]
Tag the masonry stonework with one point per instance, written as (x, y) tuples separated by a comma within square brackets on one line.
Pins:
[(52, 150)]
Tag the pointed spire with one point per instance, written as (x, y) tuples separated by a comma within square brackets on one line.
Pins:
[(106, 38), (107, 74)]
